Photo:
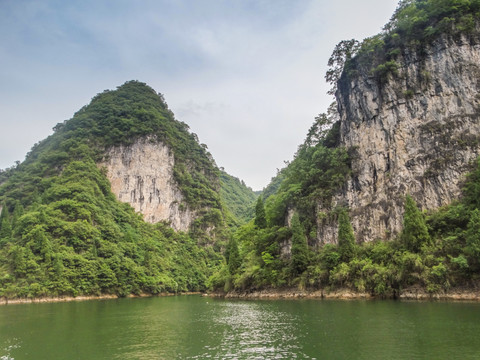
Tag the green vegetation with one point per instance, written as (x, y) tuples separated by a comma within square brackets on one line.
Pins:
[(417, 21), (346, 237), (414, 25), (342, 55), (75, 238), (120, 117), (62, 232), (260, 217), (299, 252), (434, 252), (415, 232), (237, 198), (317, 171)]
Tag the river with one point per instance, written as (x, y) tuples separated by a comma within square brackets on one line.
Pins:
[(195, 327)]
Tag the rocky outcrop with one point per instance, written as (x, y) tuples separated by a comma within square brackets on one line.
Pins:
[(454, 294), (415, 132), (142, 175)]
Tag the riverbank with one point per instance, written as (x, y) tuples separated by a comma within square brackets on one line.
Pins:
[(459, 294), (5, 301), (273, 294)]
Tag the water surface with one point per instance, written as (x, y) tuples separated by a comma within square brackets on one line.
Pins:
[(194, 327)]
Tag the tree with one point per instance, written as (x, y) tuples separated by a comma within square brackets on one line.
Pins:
[(473, 239), (319, 130), (343, 52), (5, 226), (471, 190), (346, 237), (232, 256), (400, 12), (299, 253), (260, 217), (17, 212), (415, 232)]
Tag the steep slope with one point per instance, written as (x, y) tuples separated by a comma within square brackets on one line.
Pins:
[(63, 230), (237, 198), (142, 174), (409, 106), (404, 131)]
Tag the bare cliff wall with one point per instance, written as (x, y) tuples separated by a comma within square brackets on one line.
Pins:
[(415, 132), (142, 175)]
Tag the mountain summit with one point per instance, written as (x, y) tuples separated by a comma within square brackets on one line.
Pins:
[(91, 208)]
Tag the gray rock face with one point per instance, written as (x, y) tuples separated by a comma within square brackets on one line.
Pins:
[(142, 175), (416, 133)]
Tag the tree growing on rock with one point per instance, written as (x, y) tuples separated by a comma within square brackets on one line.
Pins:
[(342, 53)]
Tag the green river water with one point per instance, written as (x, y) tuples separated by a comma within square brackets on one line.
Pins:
[(195, 327)]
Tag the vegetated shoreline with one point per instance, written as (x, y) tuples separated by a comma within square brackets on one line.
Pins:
[(414, 293), (7, 301)]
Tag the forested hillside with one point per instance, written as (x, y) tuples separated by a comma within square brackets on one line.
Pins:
[(303, 235), (62, 231), (237, 197)]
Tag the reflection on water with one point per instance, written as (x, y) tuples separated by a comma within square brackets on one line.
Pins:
[(193, 327), (251, 331), (7, 347)]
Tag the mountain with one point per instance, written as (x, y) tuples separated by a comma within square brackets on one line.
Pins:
[(120, 199), (409, 108), (382, 196), (237, 197)]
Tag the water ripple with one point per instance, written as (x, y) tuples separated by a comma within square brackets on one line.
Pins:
[(9, 345), (252, 331)]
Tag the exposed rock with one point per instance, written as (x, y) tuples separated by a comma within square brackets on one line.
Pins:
[(455, 294), (142, 175), (286, 244), (327, 227), (285, 248), (416, 133)]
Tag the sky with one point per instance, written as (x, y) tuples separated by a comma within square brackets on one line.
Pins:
[(246, 76)]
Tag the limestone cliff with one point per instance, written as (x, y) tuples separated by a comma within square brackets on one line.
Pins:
[(141, 174), (416, 132)]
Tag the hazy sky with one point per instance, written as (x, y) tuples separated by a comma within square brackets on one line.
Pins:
[(247, 76)]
